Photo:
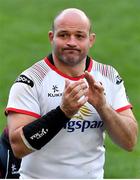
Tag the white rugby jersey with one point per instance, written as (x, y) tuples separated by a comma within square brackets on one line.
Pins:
[(77, 151)]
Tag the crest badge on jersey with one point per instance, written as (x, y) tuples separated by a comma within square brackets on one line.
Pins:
[(118, 79)]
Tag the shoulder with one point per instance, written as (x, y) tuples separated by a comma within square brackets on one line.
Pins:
[(107, 71), (38, 70), (34, 74)]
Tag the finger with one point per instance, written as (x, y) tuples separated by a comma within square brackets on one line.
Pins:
[(73, 86), (80, 93), (79, 90), (82, 100), (89, 78), (99, 86), (67, 82)]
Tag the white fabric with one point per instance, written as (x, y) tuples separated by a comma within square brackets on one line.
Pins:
[(77, 151)]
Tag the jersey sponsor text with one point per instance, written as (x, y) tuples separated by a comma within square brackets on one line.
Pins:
[(72, 126)]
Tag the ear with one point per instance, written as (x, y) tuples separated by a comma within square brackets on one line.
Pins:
[(51, 35), (92, 39)]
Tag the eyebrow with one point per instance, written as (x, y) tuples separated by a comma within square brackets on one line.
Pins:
[(65, 31)]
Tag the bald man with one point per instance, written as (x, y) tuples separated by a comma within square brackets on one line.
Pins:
[(59, 108)]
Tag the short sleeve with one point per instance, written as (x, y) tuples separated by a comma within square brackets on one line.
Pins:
[(119, 98), (23, 97)]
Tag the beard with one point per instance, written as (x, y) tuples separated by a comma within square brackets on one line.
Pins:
[(70, 57)]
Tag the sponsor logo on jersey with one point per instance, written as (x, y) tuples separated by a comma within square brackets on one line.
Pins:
[(72, 126), (83, 112), (24, 79), (55, 92), (81, 123), (55, 88)]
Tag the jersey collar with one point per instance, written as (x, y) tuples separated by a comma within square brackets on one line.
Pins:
[(49, 61)]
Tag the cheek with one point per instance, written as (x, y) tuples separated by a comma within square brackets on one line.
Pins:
[(57, 47), (58, 43), (85, 46)]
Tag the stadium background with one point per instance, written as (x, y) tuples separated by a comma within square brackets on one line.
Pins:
[(24, 25)]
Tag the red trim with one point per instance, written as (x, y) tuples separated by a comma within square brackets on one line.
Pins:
[(90, 65), (22, 112), (65, 75), (124, 108)]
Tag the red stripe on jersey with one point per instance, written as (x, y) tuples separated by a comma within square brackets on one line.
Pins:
[(124, 108), (65, 75), (22, 112)]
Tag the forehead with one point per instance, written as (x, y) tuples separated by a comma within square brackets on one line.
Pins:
[(72, 22)]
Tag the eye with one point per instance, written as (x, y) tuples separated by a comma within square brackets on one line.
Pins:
[(63, 35), (80, 36)]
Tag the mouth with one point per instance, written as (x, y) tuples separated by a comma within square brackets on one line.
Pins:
[(70, 49)]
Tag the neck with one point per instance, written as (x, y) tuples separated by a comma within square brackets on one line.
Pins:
[(73, 71)]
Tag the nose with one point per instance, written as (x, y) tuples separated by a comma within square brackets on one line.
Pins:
[(71, 41)]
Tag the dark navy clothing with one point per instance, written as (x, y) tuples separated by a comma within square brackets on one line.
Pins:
[(9, 164)]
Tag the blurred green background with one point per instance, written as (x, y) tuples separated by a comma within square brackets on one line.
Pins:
[(24, 26)]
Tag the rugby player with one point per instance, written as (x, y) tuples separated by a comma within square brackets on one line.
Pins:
[(59, 108)]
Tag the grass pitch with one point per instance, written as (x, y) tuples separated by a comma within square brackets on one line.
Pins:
[(24, 26)]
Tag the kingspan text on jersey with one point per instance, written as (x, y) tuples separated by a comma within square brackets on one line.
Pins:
[(71, 126)]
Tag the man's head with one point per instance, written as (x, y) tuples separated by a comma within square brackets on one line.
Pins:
[(71, 13), (71, 36)]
